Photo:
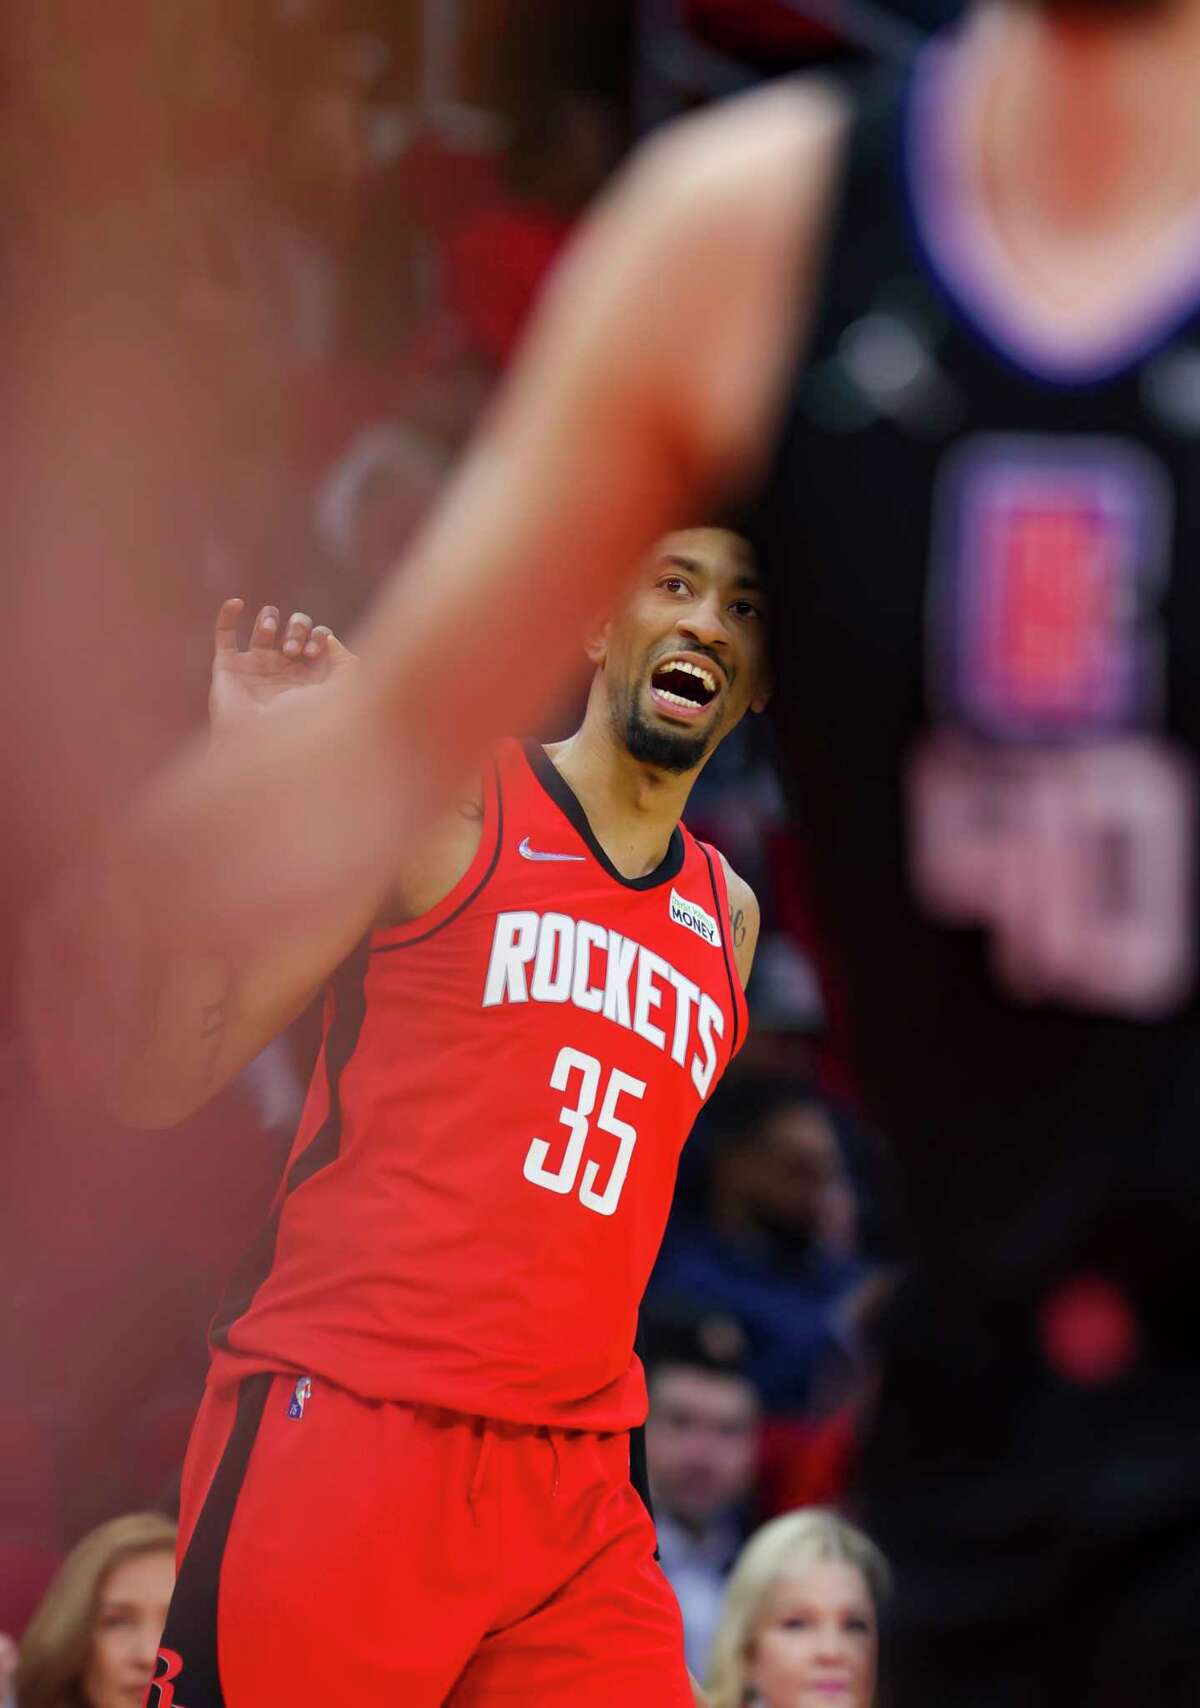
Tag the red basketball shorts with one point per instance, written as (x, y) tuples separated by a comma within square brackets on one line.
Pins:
[(335, 1550)]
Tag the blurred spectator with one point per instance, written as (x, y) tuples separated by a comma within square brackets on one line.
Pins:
[(701, 1451), (801, 1616), (776, 1244), (369, 506), (565, 131), (812, 1461), (275, 195), (271, 177), (92, 1642), (767, 34)]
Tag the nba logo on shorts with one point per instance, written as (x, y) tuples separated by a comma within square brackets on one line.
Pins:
[(301, 1394), (1049, 561)]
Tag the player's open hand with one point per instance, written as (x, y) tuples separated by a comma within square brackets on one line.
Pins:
[(280, 659)]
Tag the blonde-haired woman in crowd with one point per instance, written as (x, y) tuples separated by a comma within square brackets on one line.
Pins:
[(800, 1625), (93, 1640)]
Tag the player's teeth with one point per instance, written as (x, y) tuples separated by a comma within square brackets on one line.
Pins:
[(676, 699), (695, 670)]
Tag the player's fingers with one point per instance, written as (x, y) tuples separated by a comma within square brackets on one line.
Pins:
[(315, 645), (337, 653), (295, 636), (225, 637), (266, 628)]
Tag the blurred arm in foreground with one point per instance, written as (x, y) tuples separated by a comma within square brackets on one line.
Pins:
[(648, 383), (195, 1014)]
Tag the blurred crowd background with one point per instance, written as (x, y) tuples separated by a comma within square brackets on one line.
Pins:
[(262, 264)]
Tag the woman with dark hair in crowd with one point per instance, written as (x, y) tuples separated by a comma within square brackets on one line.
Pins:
[(801, 1617), (92, 1642)]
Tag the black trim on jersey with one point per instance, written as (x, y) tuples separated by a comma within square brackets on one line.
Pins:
[(639, 1471), (191, 1628), (411, 942), (639, 1474), (349, 1011), (726, 952), (566, 800)]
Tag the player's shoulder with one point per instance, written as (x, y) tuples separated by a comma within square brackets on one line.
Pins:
[(744, 918), (739, 158), (740, 893)]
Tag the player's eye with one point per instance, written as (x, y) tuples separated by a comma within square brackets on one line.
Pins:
[(674, 584), (745, 608)]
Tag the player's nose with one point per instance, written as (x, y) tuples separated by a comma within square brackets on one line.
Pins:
[(704, 622)]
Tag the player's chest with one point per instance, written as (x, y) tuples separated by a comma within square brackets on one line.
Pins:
[(643, 972)]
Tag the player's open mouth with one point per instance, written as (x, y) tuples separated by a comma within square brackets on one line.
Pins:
[(683, 687)]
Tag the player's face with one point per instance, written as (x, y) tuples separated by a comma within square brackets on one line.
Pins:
[(130, 1614), (815, 1640), (686, 656)]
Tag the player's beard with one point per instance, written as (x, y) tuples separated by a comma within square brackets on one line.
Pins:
[(666, 749)]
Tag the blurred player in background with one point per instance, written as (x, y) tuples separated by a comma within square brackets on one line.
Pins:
[(410, 1478), (949, 340)]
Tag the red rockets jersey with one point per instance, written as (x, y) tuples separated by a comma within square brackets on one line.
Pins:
[(486, 1158)]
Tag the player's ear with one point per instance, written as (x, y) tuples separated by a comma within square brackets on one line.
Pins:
[(596, 645), (761, 697)]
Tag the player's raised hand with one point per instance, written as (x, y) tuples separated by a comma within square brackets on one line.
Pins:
[(279, 660)]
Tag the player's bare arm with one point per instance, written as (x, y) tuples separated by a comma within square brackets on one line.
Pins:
[(204, 1016), (281, 661), (743, 921), (647, 384)]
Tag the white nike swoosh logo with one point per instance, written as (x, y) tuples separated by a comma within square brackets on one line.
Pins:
[(536, 854)]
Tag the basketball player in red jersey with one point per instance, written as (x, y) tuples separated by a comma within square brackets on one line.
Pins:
[(1039, 228), (410, 1478)]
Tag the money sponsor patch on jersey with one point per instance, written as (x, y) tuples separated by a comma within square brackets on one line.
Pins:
[(1049, 560), (692, 917)]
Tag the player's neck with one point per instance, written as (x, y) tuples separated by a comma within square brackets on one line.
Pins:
[(1085, 123), (632, 808)]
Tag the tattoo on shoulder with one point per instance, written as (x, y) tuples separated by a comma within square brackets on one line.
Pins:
[(737, 925)]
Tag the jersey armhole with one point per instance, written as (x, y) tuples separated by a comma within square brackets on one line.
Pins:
[(473, 881), (737, 996)]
